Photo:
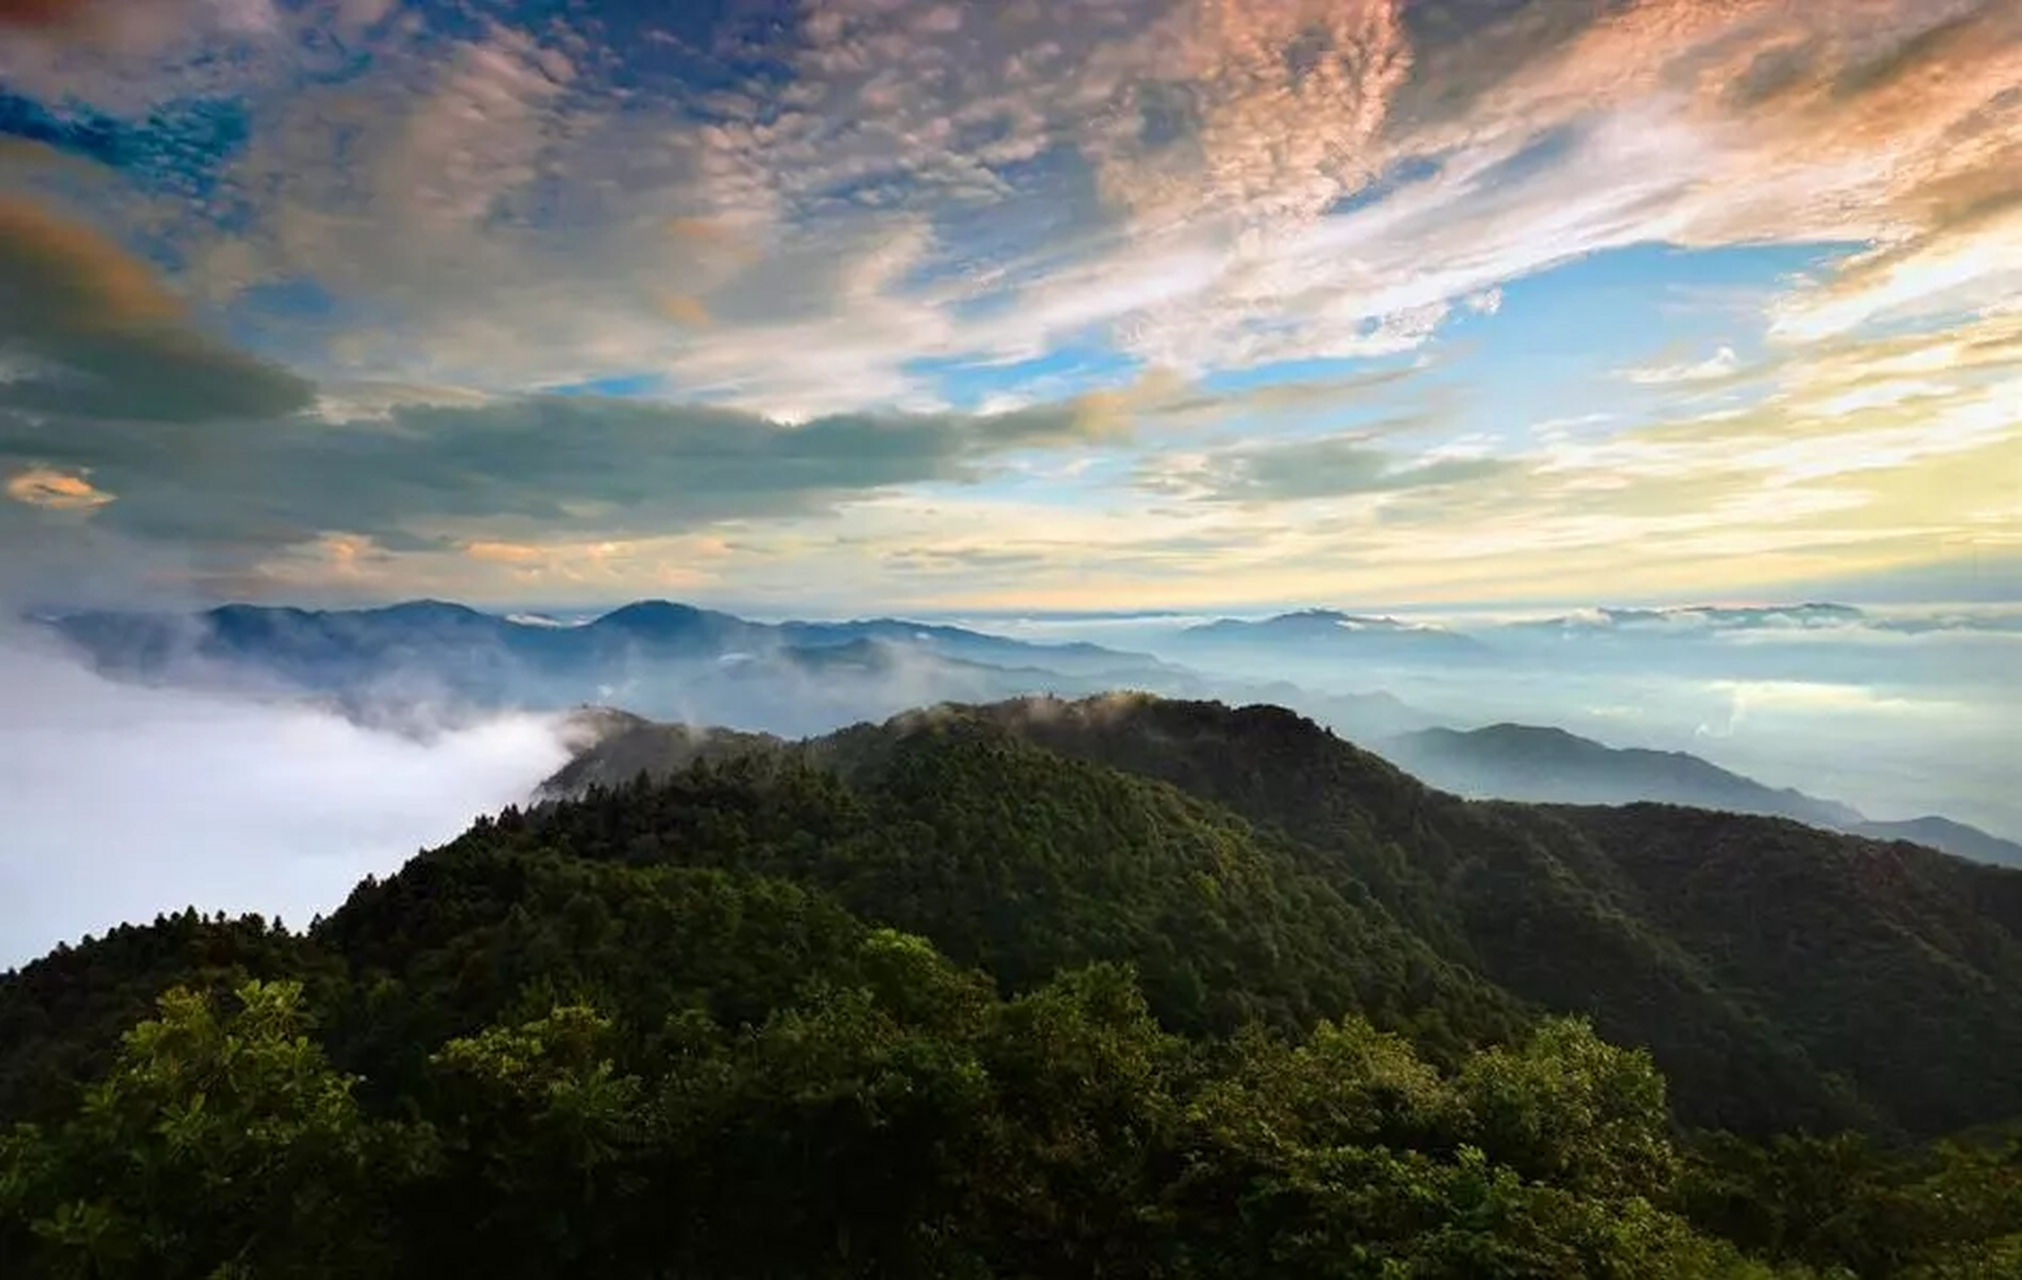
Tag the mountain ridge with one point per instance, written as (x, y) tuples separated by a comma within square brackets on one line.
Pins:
[(660, 658), (1545, 764), (1531, 896)]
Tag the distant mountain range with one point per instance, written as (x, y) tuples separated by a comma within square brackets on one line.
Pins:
[(427, 660), (1548, 765)]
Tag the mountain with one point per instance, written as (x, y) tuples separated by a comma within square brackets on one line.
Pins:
[(1943, 833), (415, 665), (1559, 906), (1328, 636), (1530, 762), (1121, 986), (1690, 619), (612, 752)]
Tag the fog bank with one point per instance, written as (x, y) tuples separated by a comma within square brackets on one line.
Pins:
[(119, 802)]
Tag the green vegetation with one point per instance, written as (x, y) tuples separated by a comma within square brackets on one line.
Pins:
[(1111, 989)]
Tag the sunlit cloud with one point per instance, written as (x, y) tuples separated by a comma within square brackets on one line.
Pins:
[(367, 297), (1721, 364), (62, 490)]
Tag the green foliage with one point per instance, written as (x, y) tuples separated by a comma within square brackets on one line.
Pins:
[(217, 1147), (1843, 1204), (1572, 1110)]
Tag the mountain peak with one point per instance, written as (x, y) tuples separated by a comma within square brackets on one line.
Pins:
[(424, 610), (648, 612)]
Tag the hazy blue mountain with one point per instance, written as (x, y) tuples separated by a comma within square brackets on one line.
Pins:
[(1328, 635), (1549, 765), (1685, 619), (1079, 658), (416, 664), (1934, 832)]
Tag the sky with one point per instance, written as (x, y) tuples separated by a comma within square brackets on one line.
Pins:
[(1067, 306)]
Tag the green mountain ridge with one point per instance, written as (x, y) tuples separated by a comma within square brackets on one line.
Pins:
[(1530, 898)]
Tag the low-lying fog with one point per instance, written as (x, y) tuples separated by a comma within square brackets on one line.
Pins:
[(119, 802), (1899, 713)]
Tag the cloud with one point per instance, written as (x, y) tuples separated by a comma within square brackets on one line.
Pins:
[(1238, 75), (1333, 467), (43, 13), (127, 54), (1719, 366), (104, 337), (122, 802), (425, 477), (62, 490), (926, 204), (1210, 186)]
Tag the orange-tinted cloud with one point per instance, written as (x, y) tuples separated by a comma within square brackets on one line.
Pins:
[(685, 309), (75, 298), (59, 490), (1278, 105), (504, 552), (82, 280), (712, 236)]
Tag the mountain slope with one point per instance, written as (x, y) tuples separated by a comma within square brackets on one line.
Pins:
[(1024, 862), (1933, 832), (1530, 762), (1894, 963), (1533, 763), (672, 1030), (1557, 913), (543, 1065)]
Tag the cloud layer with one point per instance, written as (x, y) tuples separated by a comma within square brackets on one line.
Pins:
[(121, 803), (352, 296)]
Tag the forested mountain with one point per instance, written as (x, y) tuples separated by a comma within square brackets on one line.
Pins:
[(1122, 987), (1533, 762), (1549, 906)]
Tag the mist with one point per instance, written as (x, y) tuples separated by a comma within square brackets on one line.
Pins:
[(121, 801)]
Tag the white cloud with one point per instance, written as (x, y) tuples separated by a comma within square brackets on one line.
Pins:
[(122, 802), (1160, 169), (1723, 363)]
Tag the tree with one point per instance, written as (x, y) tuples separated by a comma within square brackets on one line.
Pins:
[(218, 1147)]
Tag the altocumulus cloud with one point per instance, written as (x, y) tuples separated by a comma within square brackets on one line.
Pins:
[(121, 802)]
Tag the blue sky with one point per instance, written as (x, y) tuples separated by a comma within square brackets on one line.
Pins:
[(863, 304)]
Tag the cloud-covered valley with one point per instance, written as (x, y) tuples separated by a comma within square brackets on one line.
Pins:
[(119, 802)]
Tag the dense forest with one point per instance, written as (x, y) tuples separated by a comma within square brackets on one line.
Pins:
[(1122, 987)]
